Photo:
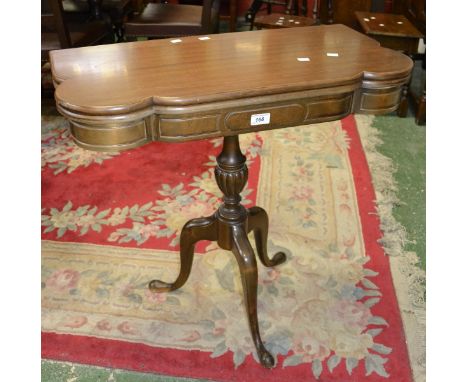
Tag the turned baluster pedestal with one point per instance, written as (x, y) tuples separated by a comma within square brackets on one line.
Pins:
[(229, 226)]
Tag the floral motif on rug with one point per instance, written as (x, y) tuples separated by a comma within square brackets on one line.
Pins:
[(328, 313)]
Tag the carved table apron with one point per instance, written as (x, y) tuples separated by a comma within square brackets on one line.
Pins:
[(121, 96)]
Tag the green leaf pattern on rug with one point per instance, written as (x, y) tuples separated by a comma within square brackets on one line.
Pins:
[(327, 145), (302, 193), (162, 218), (60, 153)]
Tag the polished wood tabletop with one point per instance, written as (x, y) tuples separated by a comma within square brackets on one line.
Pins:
[(123, 95), (387, 24)]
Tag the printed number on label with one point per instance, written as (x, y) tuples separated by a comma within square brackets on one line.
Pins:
[(260, 119)]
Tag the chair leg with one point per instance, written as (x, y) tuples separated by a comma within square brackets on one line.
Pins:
[(304, 8), (403, 107)]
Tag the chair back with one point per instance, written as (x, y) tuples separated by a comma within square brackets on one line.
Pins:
[(210, 16), (56, 21)]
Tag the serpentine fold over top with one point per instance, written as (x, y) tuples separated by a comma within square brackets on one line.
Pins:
[(124, 95)]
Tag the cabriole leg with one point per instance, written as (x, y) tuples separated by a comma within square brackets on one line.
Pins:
[(258, 222), (229, 227), (248, 270), (193, 231)]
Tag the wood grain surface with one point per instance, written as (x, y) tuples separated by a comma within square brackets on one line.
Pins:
[(387, 24), (124, 95), (227, 66)]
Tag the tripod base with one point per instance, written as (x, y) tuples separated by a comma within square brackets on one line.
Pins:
[(229, 227)]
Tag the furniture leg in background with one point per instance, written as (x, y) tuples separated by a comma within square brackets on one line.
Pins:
[(420, 100), (96, 9), (232, 16)]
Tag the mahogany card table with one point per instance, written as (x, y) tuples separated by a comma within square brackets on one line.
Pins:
[(120, 96)]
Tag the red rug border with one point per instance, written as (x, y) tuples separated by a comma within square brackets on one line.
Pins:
[(144, 358)]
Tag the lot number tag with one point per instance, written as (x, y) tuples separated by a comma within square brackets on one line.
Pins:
[(260, 119)]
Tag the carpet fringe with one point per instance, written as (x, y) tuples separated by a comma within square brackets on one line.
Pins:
[(409, 280)]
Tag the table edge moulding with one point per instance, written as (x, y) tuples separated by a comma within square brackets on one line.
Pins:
[(87, 77), (121, 96)]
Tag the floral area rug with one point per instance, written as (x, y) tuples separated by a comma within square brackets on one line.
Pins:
[(111, 222)]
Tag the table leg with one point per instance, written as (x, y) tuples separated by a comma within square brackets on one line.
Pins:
[(229, 226), (252, 11), (248, 270), (330, 11), (232, 15), (96, 9), (421, 109), (193, 231), (258, 222), (402, 110), (304, 8), (315, 12)]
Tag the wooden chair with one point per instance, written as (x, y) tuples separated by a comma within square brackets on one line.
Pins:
[(227, 11), (173, 20), (230, 14), (278, 20), (292, 8), (117, 11), (57, 32)]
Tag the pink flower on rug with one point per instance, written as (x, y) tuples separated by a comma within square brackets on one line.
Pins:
[(149, 230), (303, 192), (353, 314), (63, 279), (220, 327), (349, 240), (218, 331), (192, 337), (104, 325), (342, 185), (310, 349), (312, 331), (75, 322), (348, 235), (197, 208), (153, 297), (126, 328), (271, 276), (345, 197), (126, 289)]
